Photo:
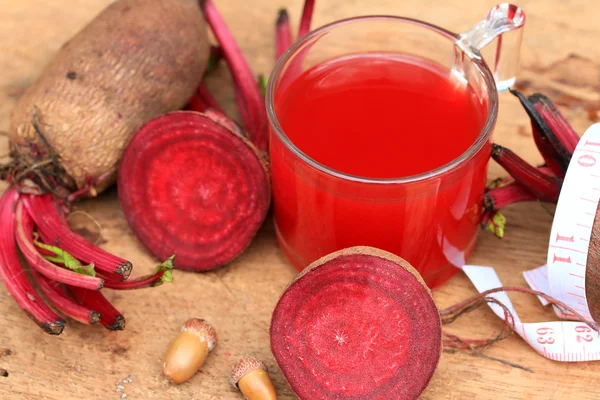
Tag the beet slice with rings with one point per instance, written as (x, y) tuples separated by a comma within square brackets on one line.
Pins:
[(191, 187), (359, 323)]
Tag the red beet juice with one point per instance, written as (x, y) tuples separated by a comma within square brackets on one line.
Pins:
[(379, 117)]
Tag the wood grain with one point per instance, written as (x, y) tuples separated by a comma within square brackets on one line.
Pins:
[(559, 57)]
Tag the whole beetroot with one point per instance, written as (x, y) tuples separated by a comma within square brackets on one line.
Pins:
[(136, 60)]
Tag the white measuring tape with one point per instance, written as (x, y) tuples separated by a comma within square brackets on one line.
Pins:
[(563, 276)]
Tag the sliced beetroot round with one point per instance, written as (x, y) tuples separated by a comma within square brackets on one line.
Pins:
[(190, 187), (357, 324)]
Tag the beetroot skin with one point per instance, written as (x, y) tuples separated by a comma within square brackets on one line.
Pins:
[(190, 187), (357, 324), (592, 269)]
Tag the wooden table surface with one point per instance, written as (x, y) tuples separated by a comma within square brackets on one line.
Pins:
[(560, 57)]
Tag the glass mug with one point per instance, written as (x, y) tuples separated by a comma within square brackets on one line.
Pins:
[(430, 219)]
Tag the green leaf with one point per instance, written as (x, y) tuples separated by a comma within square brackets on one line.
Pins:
[(213, 62), (166, 268), (86, 270), (62, 257), (496, 224), (262, 84), (167, 276)]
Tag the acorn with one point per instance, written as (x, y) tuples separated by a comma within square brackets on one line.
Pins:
[(188, 351), (251, 377)]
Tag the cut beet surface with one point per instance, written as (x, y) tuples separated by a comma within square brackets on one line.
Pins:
[(357, 324), (190, 187)]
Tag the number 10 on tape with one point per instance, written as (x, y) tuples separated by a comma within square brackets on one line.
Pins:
[(572, 225)]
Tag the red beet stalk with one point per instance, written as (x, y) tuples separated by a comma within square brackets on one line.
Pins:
[(215, 57), (12, 274), (197, 103), (294, 69), (24, 237), (307, 12), (550, 144), (283, 33), (60, 299), (110, 318), (249, 99), (55, 231), (223, 120), (503, 196), (502, 193), (203, 100), (506, 191), (162, 274), (541, 185), (555, 121), (208, 98), (550, 155)]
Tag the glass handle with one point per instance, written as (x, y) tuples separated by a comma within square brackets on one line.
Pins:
[(504, 22)]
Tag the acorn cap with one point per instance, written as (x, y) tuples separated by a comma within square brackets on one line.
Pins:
[(244, 367), (202, 329)]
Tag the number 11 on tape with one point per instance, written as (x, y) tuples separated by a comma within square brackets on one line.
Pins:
[(572, 225)]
